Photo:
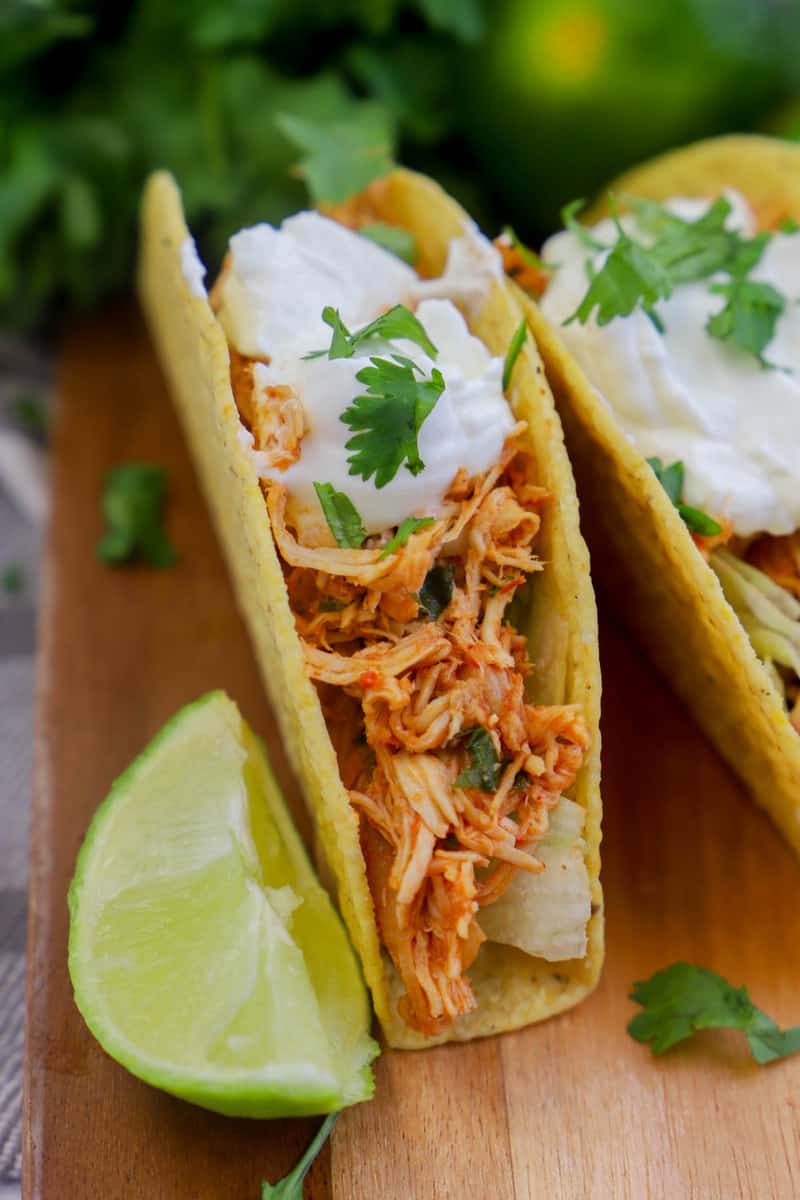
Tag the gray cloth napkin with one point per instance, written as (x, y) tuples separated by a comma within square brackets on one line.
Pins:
[(23, 373)]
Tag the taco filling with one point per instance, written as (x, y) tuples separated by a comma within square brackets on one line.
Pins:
[(685, 318), (404, 506)]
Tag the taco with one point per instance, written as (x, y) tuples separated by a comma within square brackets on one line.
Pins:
[(669, 325), (384, 508)]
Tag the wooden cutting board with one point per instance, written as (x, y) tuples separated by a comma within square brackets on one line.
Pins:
[(571, 1108)]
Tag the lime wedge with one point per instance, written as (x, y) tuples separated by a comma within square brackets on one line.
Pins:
[(205, 956)]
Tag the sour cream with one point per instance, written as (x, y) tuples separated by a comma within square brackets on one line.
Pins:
[(192, 268), (273, 292), (686, 395)]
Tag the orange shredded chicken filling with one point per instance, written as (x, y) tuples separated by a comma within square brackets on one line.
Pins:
[(402, 692), (531, 277)]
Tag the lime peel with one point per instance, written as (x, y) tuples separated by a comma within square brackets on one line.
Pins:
[(205, 956)]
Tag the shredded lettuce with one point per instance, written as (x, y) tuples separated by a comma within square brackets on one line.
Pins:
[(769, 614), (546, 914)]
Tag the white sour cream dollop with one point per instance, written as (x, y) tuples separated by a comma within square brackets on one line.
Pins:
[(686, 395), (274, 289)]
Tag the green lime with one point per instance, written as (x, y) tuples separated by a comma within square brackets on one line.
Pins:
[(562, 95), (205, 956)]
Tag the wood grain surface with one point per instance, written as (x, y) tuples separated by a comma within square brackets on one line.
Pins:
[(571, 1108)]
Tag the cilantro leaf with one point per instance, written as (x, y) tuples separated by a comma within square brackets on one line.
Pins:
[(344, 519), (133, 507), (388, 418), (485, 767), (513, 352), (341, 157), (397, 322), (291, 1186), (31, 413), (683, 998), (12, 578), (437, 590), (749, 316), (637, 275), (629, 277), (331, 604), (404, 531), (392, 238), (671, 479), (688, 250), (464, 18), (698, 521), (569, 215)]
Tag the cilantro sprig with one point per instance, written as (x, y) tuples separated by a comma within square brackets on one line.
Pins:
[(682, 998), (485, 767), (12, 578), (437, 590), (344, 519), (636, 274), (397, 241), (404, 530), (291, 1186), (388, 417), (341, 157), (133, 507), (671, 479), (397, 322), (749, 316)]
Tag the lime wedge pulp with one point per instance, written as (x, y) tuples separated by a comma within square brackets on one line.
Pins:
[(204, 954)]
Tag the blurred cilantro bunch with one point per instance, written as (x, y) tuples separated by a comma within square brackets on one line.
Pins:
[(222, 92)]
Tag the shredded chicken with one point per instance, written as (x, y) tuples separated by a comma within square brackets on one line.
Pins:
[(403, 693), (274, 415), (531, 277)]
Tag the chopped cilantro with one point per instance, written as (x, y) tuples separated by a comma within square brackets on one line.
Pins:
[(133, 507), (291, 1186), (683, 998), (789, 225), (513, 352), (30, 412), (635, 274), (437, 590), (629, 277), (671, 479), (392, 238), (342, 156), (485, 767), (569, 215), (404, 531), (464, 18), (398, 322), (749, 316), (689, 250), (12, 578), (388, 418), (344, 519), (331, 604)]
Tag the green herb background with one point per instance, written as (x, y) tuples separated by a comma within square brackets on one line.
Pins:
[(515, 105)]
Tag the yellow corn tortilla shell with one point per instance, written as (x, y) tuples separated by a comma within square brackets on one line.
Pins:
[(643, 554), (512, 988)]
